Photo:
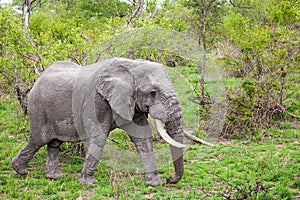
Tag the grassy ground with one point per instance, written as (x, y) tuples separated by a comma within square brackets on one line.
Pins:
[(266, 167)]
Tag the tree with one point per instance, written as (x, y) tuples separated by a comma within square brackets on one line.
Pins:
[(207, 13), (203, 8)]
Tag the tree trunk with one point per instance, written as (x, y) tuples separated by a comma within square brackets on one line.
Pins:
[(140, 9), (27, 7), (282, 86), (138, 12), (204, 8), (202, 44)]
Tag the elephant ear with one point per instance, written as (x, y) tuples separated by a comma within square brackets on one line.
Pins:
[(117, 89)]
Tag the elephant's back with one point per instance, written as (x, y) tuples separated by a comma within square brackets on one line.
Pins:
[(59, 72), (57, 78)]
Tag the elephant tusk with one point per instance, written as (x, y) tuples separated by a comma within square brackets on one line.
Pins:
[(195, 139), (166, 136)]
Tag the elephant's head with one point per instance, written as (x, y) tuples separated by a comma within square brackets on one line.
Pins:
[(144, 86)]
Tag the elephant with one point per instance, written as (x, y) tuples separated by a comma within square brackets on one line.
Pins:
[(70, 103)]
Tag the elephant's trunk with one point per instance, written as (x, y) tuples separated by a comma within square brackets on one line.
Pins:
[(174, 127)]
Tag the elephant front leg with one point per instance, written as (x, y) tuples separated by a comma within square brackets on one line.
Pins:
[(92, 157), (145, 149)]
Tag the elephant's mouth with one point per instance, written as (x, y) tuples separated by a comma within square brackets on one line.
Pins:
[(157, 111), (147, 109)]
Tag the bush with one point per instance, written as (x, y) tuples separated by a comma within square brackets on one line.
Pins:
[(265, 59), (18, 61)]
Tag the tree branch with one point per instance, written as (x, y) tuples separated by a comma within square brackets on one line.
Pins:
[(287, 112), (240, 5)]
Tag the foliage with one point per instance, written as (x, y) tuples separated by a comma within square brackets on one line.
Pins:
[(99, 8), (176, 17), (17, 57), (265, 56)]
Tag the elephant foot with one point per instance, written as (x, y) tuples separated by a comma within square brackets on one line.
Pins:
[(86, 180), (54, 175), (153, 179), (19, 167)]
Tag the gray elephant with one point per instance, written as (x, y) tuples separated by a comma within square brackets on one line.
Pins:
[(70, 103)]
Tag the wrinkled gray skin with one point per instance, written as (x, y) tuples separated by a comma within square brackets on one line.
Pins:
[(70, 103)]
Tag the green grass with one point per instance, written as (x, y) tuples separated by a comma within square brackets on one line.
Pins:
[(264, 167)]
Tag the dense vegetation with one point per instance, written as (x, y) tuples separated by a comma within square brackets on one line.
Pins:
[(235, 62)]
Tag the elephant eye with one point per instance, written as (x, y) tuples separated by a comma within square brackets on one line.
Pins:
[(152, 94)]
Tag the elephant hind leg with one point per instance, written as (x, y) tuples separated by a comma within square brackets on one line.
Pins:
[(19, 163), (52, 164)]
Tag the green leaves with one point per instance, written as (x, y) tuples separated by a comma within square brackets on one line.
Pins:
[(284, 12), (260, 45)]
